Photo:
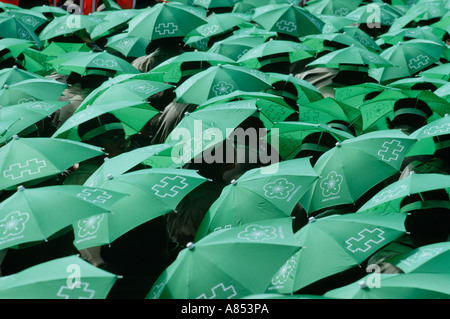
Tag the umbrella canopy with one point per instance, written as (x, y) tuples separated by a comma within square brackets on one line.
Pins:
[(220, 80), (394, 37), (353, 58), (420, 12), (235, 46), (209, 4), (13, 75), (288, 19), (165, 20), (126, 87), (431, 258), (153, 193), (327, 41), (408, 83), (38, 89), (132, 114), (68, 25), (332, 7), (401, 286), (205, 128), (50, 11), (188, 64), (127, 45), (362, 37), (354, 166), (274, 51), (113, 22), (12, 48), (390, 197), (407, 59), (291, 135), (16, 118), (31, 18), (12, 26), (152, 156), (356, 95), (29, 216), (439, 72), (56, 279), (346, 240), (274, 189), (387, 14), (248, 256), (85, 63), (29, 159)]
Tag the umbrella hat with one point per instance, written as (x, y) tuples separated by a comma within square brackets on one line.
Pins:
[(28, 216), (228, 264), (346, 240), (113, 22), (52, 280), (401, 286), (235, 46), (159, 188), (28, 159), (127, 45), (275, 194), (166, 20), (354, 166), (13, 75), (219, 80), (288, 19), (390, 197)]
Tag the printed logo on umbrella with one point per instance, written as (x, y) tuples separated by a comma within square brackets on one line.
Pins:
[(390, 150), (283, 274), (331, 185), (421, 256), (145, 88), (280, 188), (437, 129), (75, 292), (166, 28), (219, 292), (20, 170), (104, 63), (389, 194), (170, 186), (366, 240), (222, 88), (89, 226), (13, 225), (419, 62), (96, 196), (258, 233)]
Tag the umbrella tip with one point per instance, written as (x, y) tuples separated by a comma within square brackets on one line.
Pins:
[(5, 86), (109, 176), (190, 245), (15, 137), (20, 188), (362, 284), (311, 219), (233, 182), (14, 67)]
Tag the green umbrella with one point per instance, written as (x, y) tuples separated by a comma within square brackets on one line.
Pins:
[(219, 23), (14, 27), (272, 108), (29, 216), (407, 59), (85, 63), (400, 286), (329, 109), (220, 80), (249, 6), (13, 75), (394, 37), (387, 14), (34, 61), (165, 20), (305, 92), (390, 197), (441, 71), (30, 159), (58, 279), (113, 22), (327, 41), (346, 240), (31, 18), (153, 193), (382, 106), (290, 136), (444, 92), (228, 264), (151, 155), (188, 64), (335, 23), (16, 118), (50, 11), (126, 45), (6, 6), (332, 7), (205, 128), (354, 166), (68, 25), (12, 48), (209, 4), (432, 258), (132, 114), (124, 88), (353, 58), (274, 51), (259, 194), (288, 19), (235, 46), (420, 12), (362, 37), (39, 89), (428, 136), (355, 95)]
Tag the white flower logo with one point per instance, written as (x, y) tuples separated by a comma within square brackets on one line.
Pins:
[(222, 88), (13, 224), (331, 185), (89, 226), (258, 233), (283, 274), (279, 188)]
